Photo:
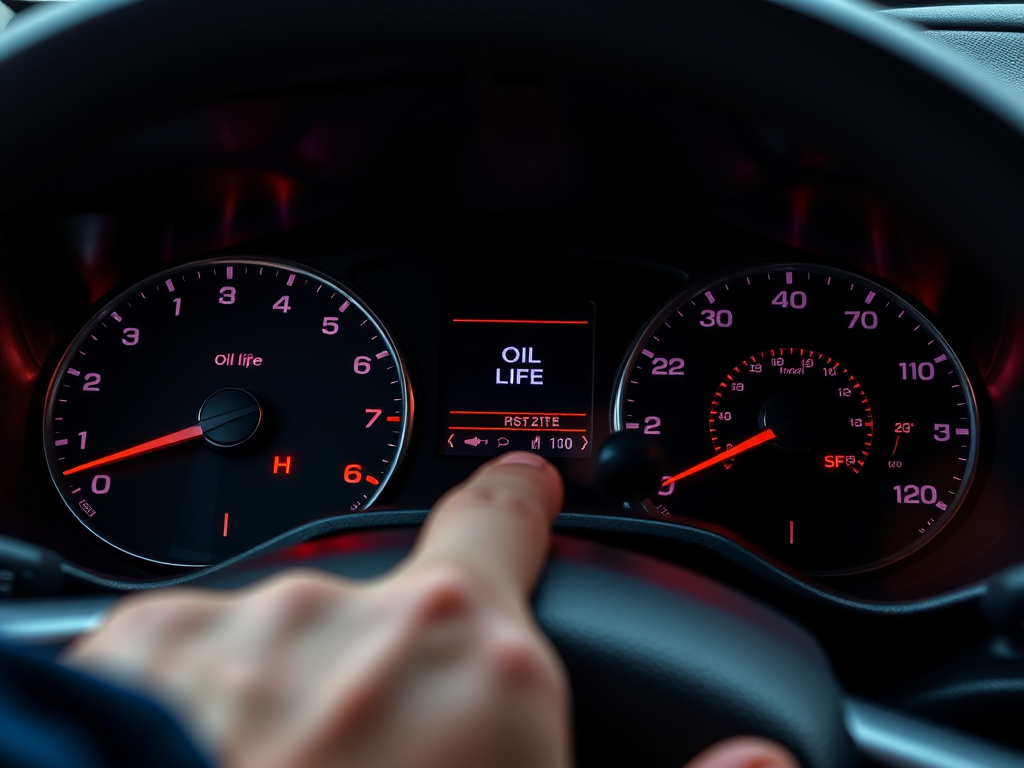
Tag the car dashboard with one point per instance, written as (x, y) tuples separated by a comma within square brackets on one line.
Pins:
[(569, 219), (605, 219)]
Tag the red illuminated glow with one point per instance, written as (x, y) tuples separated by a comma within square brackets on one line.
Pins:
[(838, 461), (565, 548), (516, 413), (520, 421), (284, 191)]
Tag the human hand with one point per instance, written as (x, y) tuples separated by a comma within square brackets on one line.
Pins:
[(438, 663)]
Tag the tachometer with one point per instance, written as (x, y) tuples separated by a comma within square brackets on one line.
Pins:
[(810, 411), (216, 405)]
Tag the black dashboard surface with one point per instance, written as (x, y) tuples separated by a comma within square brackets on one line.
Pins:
[(492, 186), (435, 189), (506, 187)]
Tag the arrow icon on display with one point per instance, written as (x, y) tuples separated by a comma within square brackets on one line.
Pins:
[(475, 442)]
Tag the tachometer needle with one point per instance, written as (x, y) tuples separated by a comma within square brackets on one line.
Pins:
[(182, 435), (174, 438), (759, 439)]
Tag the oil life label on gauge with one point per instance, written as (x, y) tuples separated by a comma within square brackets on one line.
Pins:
[(518, 376)]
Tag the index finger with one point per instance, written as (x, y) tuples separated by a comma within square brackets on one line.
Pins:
[(497, 524)]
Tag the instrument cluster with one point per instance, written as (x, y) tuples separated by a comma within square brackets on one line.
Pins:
[(812, 415), (263, 336)]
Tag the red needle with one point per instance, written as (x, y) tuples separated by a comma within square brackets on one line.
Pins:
[(153, 445), (746, 445)]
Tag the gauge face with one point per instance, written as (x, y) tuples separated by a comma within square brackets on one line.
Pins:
[(811, 413), (216, 405)]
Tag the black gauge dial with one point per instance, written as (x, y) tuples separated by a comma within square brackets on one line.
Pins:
[(211, 407), (812, 413)]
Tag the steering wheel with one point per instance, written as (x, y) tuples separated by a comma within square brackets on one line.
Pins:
[(667, 659)]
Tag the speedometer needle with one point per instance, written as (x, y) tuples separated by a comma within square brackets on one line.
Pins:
[(759, 439), (182, 435)]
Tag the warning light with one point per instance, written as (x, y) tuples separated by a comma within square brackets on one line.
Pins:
[(286, 465), (836, 461)]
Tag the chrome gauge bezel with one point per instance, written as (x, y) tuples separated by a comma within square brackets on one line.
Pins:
[(665, 312), (347, 293)]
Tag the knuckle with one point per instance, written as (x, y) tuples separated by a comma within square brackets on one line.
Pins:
[(444, 592), (518, 659), (294, 594), (298, 579)]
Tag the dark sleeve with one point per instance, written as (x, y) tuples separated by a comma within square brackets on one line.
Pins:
[(54, 717)]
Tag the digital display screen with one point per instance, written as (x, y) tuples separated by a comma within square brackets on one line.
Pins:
[(518, 376)]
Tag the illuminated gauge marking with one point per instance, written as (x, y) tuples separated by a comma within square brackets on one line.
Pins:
[(844, 450), (813, 405), (214, 406)]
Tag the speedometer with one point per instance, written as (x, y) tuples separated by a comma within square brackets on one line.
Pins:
[(812, 413), (213, 406)]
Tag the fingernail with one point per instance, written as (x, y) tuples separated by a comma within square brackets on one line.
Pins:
[(522, 457)]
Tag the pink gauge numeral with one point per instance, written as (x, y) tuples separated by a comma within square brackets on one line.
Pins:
[(376, 415)]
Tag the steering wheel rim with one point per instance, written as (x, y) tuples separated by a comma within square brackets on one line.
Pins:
[(718, 49), (667, 660)]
